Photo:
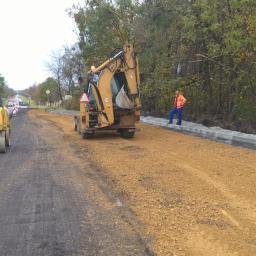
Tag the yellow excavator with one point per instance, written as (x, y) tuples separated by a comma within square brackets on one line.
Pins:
[(111, 100), (5, 129)]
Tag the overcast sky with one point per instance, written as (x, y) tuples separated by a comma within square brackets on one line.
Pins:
[(30, 30)]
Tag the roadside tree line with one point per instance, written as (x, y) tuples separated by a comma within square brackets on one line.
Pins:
[(65, 67), (205, 48), (5, 91)]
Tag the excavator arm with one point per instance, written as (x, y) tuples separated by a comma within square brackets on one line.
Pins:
[(124, 61)]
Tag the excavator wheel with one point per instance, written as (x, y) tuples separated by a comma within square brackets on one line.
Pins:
[(8, 138), (76, 122), (78, 127), (2, 142), (87, 135), (127, 133)]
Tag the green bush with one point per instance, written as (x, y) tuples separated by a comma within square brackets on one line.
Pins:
[(72, 104)]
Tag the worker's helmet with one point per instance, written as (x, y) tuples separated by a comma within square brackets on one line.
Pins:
[(93, 68)]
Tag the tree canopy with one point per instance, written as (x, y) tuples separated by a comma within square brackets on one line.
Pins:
[(205, 48), (5, 91)]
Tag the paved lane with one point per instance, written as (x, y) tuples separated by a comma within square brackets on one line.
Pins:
[(49, 205)]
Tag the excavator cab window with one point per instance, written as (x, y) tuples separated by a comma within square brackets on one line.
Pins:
[(118, 81), (86, 88), (90, 94)]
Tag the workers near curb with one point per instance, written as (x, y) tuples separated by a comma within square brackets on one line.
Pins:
[(179, 102)]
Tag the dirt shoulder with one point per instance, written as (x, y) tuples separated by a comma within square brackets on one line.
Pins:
[(195, 197)]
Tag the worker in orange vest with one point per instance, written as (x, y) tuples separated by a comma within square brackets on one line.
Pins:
[(178, 104)]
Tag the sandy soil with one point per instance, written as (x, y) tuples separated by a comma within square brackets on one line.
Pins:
[(195, 197)]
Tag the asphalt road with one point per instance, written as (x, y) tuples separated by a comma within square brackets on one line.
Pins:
[(52, 204)]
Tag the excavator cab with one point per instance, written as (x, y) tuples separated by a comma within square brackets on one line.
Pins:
[(111, 100)]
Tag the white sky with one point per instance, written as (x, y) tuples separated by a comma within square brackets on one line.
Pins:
[(30, 30)]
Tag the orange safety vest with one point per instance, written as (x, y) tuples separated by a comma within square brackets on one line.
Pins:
[(179, 101)]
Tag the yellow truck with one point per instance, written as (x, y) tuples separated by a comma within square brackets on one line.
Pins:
[(5, 129), (111, 100)]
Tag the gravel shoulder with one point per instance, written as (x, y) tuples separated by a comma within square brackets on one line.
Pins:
[(193, 196)]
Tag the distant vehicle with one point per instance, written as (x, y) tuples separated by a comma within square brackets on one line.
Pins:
[(23, 105), (12, 108), (10, 105), (13, 101)]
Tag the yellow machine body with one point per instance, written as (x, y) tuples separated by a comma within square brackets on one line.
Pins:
[(4, 130), (113, 96)]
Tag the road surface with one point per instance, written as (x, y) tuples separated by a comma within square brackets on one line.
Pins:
[(53, 203), (194, 197)]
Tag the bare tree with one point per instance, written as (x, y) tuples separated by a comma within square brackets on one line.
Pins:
[(72, 66), (55, 66), (66, 67)]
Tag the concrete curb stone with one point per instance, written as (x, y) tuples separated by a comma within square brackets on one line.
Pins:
[(212, 133)]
